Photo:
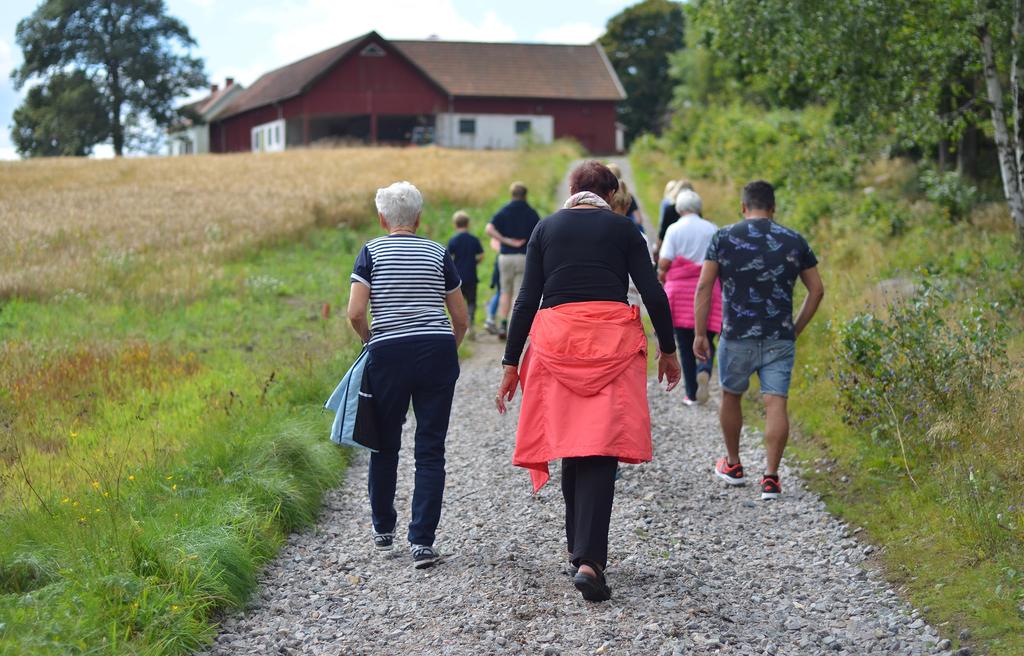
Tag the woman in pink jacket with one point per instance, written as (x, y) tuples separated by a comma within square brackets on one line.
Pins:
[(679, 264)]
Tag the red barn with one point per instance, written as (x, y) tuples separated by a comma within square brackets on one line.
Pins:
[(456, 94)]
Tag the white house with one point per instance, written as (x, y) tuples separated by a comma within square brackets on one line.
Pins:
[(192, 135)]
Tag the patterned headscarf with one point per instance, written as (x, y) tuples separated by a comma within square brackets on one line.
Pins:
[(586, 198)]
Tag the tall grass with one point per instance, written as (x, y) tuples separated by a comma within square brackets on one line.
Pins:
[(155, 446), (935, 479)]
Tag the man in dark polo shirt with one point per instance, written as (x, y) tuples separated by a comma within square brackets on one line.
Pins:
[(512, 227), (758, 261)]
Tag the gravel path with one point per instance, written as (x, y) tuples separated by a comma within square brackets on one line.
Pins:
[(695, 568)]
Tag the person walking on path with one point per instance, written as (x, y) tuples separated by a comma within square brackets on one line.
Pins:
[(679, 266), (669, 215), (408, 281), (584, 375), (467, 252), (512, 226), (758, 262)]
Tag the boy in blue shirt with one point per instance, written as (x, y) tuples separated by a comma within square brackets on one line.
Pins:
[(466, 251)]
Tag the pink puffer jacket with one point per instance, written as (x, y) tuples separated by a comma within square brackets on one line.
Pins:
[(681, 287)]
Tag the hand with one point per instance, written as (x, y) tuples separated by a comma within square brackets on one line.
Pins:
[(515, 243), (701, 348), (507, 389), (668, 368)]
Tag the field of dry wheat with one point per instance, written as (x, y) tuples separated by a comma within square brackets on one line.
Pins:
[(77, 226)]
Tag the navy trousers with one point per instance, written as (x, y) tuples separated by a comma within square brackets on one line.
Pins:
[(422, 372), (692, 366)]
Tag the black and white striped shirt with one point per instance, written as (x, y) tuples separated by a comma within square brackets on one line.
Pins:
[(409, 279)]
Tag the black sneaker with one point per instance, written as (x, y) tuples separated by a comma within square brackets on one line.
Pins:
[(423, 556), (383, 541), (770, 486)]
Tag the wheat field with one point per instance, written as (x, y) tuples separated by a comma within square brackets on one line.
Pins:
[(71, 226)]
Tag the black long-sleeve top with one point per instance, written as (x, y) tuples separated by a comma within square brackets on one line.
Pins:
[(582, 255)]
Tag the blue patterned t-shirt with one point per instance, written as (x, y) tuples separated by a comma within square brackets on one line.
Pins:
[(758, 264)]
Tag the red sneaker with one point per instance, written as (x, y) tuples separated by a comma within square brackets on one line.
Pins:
[(731, 474)]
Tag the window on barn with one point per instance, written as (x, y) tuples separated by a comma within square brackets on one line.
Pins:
[(522, 127), (467, 126), (372, 50)]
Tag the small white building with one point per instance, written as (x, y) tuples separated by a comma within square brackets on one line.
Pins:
[(192, 135), (493, 131)]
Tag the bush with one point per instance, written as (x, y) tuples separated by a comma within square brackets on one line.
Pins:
[(950, 192), (896, 376)]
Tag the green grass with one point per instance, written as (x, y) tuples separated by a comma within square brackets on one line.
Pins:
[(157, 448), (954, 541)]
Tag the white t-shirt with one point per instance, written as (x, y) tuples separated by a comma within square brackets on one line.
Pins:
[(689, 237)]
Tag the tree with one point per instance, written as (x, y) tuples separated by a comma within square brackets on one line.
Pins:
[(131, 50), (901, 66), (65, 116), (639, 41)]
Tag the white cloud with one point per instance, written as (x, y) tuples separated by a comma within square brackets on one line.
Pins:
[(304, 27), (578, 32)]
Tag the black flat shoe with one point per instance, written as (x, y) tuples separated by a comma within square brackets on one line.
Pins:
[(593, 588)]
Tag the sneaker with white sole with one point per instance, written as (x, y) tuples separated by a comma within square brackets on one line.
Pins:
[(383, 541), (687, 401), (423, 556), (731, 474), (770, 487), (703, 387)]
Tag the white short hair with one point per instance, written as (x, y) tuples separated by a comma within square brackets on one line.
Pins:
[(688, 202), (399, 203)]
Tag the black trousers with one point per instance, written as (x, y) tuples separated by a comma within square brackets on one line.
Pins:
[(588, 485), (469, 292), (691, 367)]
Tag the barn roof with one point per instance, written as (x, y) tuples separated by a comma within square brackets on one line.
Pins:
[(511, 70), (523, 70)]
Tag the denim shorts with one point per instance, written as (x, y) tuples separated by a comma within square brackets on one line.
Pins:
[(771, 359)]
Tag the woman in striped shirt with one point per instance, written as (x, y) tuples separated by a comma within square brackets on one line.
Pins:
[(408, 281)]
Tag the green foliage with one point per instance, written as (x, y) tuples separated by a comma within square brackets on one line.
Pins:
[(950, 192), (897, 376), (64, 116), (133, 52), (639, 41)]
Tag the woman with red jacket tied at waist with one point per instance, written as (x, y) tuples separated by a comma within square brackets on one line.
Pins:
[(679, 263), (584, 375)]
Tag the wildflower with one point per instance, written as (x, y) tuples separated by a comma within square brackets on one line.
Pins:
[(174, 488), (99, 510), (174, 608), (74, 434), (95, 485), (74, 504), (170, 477), (106, 494), (82, 520), (131, 477), (65, 500)]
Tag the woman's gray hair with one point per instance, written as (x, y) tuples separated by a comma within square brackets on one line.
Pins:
[(688, 202), (400, 203)]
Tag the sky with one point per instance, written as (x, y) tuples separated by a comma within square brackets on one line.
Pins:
[(244, 38)]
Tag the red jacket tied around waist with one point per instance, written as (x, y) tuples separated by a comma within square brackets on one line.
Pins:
[(584, 380), (681, 288)]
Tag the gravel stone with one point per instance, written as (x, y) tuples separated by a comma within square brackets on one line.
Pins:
[(695, 568)]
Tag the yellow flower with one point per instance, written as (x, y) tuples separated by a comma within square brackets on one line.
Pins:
[(99, 510), (95, 485), (174, 488), (131, 477), (106, 494), (65, 500), (74, 434), (170, 478), (174, 608), (82, 520), (74, 504)]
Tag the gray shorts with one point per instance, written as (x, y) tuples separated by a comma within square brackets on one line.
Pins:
[(771, 359)]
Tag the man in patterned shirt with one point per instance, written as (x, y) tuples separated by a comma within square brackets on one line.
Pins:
[(758, 262)]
